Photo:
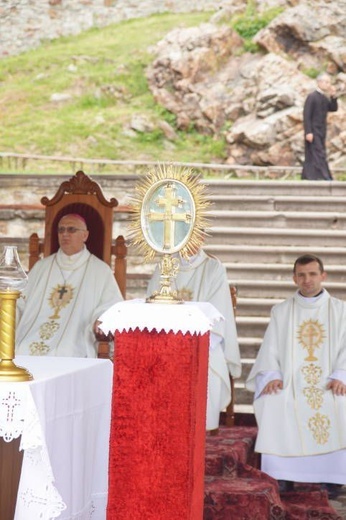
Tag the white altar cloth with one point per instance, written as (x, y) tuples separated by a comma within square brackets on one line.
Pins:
[(192, 317), (64, 419)]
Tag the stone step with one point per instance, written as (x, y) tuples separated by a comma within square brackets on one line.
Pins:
[(247, 364), (251, 326), (277, 203), (239, 383), (242, 395), (249, 346), (267, 187), (256, 306), (276, 253), (278, 219), (271, 271), (241, 408), (278, 289), (273, 236)]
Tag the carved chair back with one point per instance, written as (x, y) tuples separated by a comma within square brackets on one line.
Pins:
[(80, 194)]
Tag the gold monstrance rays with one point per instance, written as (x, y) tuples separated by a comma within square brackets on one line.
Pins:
[(188, 178), (169, 218)]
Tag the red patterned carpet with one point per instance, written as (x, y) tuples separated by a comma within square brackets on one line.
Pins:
[(235, 489)]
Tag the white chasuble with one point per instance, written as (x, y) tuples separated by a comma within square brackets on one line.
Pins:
[(203, 279), (62, 303), (305, 342)]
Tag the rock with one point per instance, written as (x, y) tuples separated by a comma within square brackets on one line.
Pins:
[(168, 130), (200, 76), (334, 48), (140, 123), (58, 97), (309, 31), (91, 140)]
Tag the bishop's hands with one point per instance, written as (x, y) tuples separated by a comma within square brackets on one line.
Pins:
[(99, 334)]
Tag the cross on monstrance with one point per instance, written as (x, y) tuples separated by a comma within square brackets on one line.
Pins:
[(170, 202)]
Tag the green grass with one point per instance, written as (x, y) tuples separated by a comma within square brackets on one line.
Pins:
[(249, 23), (103, 72)]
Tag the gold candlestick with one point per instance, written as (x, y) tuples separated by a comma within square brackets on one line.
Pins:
[(12, 278), (8, 370)]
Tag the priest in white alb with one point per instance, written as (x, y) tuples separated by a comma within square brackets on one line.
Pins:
[(203, 278), (66, 293), (299, 380)]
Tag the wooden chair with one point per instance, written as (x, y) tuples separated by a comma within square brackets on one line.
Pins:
[(80, 194), (230, 414)]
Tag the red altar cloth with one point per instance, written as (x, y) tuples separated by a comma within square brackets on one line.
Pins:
[(156, 463)]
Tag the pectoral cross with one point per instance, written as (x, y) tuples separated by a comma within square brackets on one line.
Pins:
[(61, 292), (169, 217), (61, 296)]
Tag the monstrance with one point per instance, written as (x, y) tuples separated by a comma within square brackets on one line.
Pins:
[(168, 218)]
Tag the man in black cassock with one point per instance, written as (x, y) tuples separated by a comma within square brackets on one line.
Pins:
[(316, 108)]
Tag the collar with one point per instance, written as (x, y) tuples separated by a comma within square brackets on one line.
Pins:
[(72, 262), (314, 299)]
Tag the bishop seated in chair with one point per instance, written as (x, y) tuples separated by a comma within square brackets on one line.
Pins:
[(66, 293)]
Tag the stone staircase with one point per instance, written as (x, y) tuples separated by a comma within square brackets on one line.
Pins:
[(258, 229)]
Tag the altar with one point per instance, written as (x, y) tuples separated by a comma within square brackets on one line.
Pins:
[(158, 421), (62, 419)]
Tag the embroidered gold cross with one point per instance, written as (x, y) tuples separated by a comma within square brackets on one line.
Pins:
[(311, 336)]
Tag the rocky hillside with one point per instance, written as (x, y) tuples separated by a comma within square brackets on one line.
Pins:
[(255, 100), (245, 90)]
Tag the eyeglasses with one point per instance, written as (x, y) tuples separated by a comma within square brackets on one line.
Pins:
[(69, 229)]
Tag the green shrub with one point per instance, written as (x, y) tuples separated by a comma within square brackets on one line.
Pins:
[(251, 22), (312, 72)]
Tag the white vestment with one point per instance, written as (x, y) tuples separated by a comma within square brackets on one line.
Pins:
[(64, 297), (203, 279), (302, 428)]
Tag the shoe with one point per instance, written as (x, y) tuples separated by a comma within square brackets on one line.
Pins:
[(333, 490), (285, 486)]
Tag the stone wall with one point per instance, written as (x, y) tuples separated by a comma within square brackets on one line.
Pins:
[(24, 24)]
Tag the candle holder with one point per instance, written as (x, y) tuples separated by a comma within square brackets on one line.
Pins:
[(12, 281)]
